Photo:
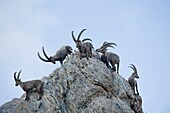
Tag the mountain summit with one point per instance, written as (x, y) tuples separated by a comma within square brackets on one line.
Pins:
[(78, 86)]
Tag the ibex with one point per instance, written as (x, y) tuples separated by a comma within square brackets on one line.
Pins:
[(29, 85), (109, 57), (83, 47), (59, 56), (132, 81)]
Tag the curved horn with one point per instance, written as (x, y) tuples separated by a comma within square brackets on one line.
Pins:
[(19, 74), (48, 59), (15, 76), (86, 39), (72, 33), (106, 44), (42, 58), (45, 54), (133, 67), (78, 39), (111, 44)]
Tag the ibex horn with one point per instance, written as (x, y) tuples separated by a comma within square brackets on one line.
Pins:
[(78, 39), (133, 67), (19, 74), (106, 44), (15, 76), (72, 33), (48, 59), (86, 39)]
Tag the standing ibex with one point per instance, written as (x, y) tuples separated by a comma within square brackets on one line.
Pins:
[(59, 56), (109, 57), (83, 47), (29, 85), (132, 81)]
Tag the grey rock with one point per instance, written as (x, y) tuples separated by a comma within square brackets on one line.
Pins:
[(78, 86)]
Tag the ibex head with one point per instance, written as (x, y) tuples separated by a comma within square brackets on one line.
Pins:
[(78, 41), (48, 59), (69, 49), (135, 73), (17, 79), (103, 48)]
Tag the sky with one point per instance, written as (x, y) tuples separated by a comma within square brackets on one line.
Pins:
[(140, 28)]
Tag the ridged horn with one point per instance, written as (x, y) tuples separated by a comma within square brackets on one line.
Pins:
[(106, 44), (78, 39), (86, 39), (15, 76), (48, 59), (72, 34), (133, 67), (19, 74)]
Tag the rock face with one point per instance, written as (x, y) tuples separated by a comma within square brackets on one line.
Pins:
[(78, 86)]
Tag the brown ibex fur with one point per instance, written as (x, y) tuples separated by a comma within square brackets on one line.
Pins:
[(59, 56), (29, 85), (132, 81), (83, 47), (109, 57)]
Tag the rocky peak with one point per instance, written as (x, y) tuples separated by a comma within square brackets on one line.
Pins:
[(78, 86)]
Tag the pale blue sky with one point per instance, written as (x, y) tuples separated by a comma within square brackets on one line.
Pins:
[(140, 28)]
